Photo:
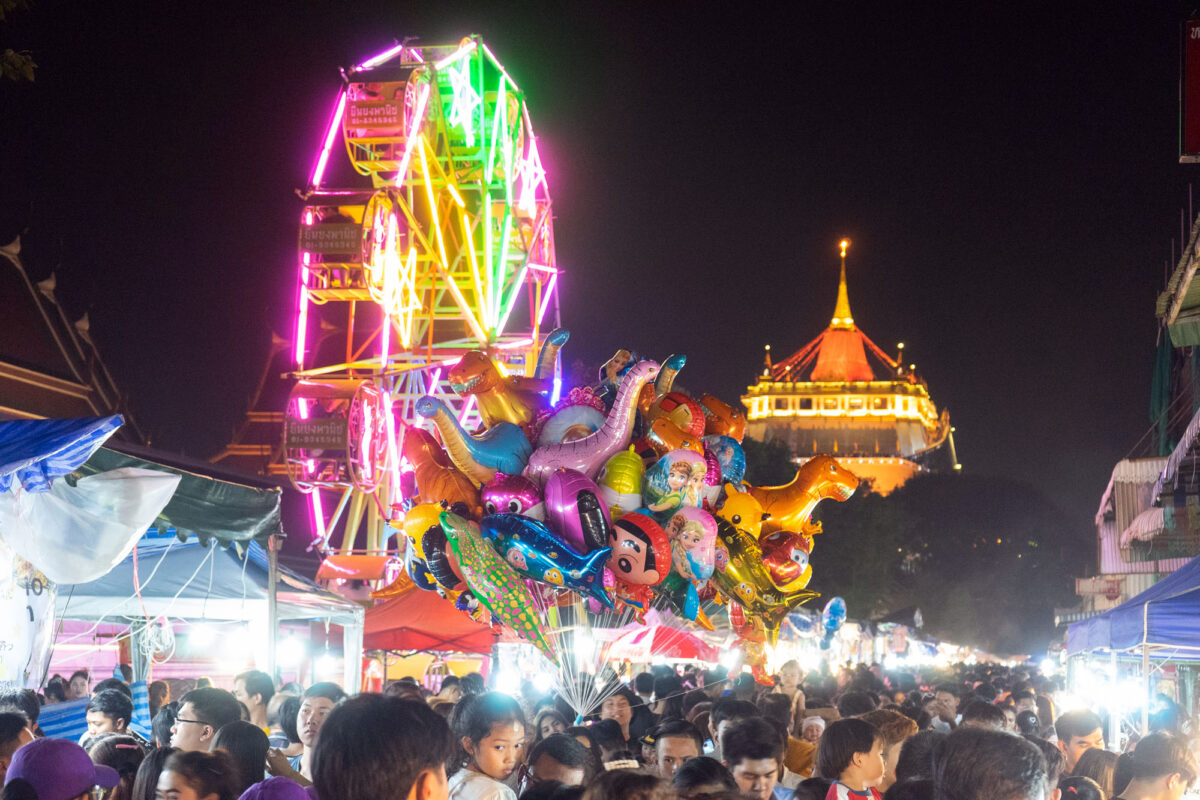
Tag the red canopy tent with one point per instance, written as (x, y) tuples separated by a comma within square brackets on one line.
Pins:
[(420, 620)]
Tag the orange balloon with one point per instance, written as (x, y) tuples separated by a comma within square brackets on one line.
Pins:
[(791, 505), (722, 419)]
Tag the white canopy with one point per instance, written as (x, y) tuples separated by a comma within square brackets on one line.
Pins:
[(187, 580)]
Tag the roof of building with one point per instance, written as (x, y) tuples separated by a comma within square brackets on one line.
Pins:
[(839, 354)]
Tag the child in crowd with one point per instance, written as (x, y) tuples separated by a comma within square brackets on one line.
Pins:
[(490, 730), (851, 755)]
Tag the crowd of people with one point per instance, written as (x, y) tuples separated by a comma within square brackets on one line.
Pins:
[(984, 733)]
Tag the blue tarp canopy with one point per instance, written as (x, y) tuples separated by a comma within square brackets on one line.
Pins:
[(1164, 617), (36, 451), (191, 581)]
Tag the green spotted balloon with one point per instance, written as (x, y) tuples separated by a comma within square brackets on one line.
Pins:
[(493, 580)]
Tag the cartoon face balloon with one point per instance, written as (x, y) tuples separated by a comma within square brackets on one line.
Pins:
[(693, 536), (512, 494), (675, 481), (742, 511), (640, 559), (785, 555)]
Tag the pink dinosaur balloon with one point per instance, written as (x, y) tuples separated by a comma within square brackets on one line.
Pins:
[(588, 455)]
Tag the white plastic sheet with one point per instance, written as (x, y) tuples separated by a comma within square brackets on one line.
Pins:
[(76, 534)]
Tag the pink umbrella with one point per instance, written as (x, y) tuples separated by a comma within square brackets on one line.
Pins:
[(668, 643)]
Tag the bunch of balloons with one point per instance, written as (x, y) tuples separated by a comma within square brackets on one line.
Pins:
[(627, 494)]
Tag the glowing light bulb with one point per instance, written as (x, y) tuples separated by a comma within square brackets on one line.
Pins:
[(290, 652), (201, 635)]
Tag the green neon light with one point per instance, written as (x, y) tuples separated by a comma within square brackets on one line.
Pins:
[(466, 99)]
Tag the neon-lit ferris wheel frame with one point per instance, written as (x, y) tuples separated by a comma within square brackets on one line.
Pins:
[(441, 243)]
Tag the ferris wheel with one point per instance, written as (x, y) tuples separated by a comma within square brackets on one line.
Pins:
[(430, 235)]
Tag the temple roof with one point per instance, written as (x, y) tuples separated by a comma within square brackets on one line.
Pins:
[(839, 354)]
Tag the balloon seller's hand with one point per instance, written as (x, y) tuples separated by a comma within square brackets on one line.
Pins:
[(278, 765)]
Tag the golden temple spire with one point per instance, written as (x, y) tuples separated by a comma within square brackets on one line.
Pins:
[(842, 319)]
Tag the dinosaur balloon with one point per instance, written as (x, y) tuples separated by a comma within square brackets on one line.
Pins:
[(496, 583), (501, 448), (502, 398), (745, 580), (587, 455), (437, 478), (722, 419), (790, 506)]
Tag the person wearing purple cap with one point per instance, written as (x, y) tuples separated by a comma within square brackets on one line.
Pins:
[(59, 770), (275, 789)]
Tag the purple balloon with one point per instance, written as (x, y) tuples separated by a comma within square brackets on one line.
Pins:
[(562, 507)]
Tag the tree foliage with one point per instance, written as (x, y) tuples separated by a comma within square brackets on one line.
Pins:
[(15, 65), (986, 559)]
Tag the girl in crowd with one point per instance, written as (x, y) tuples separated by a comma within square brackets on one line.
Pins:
[(124, 754), (851, 755), (145, 783), (548, 721), (247, 746), (197, 775), (490, 730)]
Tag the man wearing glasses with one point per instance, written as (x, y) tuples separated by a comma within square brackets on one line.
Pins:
[(202, 712)]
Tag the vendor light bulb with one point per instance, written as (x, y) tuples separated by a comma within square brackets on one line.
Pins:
[(290, 652), (326, 664), (201, 635), (508, 681)]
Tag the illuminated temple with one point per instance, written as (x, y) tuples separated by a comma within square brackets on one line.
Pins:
[(828, 398)]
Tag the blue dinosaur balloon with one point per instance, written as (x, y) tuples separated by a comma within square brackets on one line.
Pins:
[(535, 552)]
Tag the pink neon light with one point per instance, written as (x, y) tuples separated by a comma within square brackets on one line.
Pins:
[(512, 345), (546, 298), (462, 418), (412, 134), (302, 313), (543, 268), (433, 380), (379, 59), (318, 513), (330, 135), (393, 451)]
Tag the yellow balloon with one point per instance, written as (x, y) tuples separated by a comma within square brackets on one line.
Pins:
[(623, 473), (742, 511), (419, 519)]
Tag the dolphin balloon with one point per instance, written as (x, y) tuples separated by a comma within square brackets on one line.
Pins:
[(537, 553)]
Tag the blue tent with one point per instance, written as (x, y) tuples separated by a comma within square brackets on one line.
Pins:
[(1165, 619), (37, 451)]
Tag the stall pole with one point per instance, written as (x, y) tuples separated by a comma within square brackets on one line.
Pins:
[(1114, 715), (272, 601)]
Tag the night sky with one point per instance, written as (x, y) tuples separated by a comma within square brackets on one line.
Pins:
[(1008, 176)]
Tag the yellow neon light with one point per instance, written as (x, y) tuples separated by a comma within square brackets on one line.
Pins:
[(463, 307)]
